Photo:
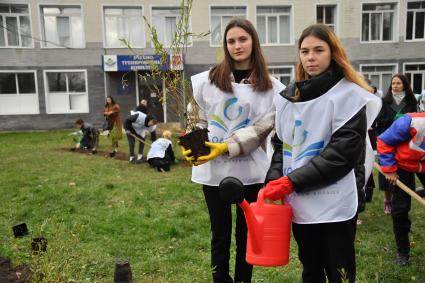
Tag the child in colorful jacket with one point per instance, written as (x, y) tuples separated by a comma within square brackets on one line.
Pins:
[(401, 150)]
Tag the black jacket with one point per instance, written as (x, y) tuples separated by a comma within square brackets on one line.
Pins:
[(141, 108), (89, 139), (345, 151), (389, 110)]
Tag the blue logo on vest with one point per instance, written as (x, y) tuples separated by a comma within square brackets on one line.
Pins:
[(311, 150), (232, 114)]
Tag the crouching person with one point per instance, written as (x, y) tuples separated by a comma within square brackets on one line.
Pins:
[(136, 126), (90, 136), (161, 154)]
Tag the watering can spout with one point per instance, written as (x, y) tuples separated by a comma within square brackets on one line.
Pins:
[(255, 226)]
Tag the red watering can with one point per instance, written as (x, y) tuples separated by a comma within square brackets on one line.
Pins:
[(269, 225)]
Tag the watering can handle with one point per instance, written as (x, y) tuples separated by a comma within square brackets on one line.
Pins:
[(260, 198)]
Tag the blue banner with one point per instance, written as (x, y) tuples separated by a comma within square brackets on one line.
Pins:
[(125, 63)]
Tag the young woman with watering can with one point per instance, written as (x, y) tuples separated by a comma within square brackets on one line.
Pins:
[(320, 144), (236, 99)]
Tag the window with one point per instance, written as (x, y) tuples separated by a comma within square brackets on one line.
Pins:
[(283, 73), (165, 21), (379, 75), (18, 92), (220, 16), (62, 26), (66, 91), (378, 22), (274, 24), (415, 72), (124, 23), (16, 27), (415, 20), (326, 14)]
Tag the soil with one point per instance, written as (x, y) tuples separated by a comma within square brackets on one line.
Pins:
[(105, 153), (195, 141), (19, 274), (119, 156)]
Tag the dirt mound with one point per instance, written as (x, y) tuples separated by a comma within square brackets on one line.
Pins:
[(118, 156), (19, 274), (103, 153)]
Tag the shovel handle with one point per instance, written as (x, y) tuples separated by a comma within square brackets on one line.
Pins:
[(402, 186), (140, 140)]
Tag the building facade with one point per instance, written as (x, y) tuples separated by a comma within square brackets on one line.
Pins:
[(55, 54)]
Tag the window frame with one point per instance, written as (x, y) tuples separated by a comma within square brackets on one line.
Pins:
[(41, 24), (190, 44), (31, 27), (395, 24), (423, 73), (336, 5), (47, 93), (378, 65), (223, 6), (405, 26), (102, 11), (291, 22), (292, 67), (23, 94)]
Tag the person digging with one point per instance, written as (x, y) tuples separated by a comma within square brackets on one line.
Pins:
[(136, 126)]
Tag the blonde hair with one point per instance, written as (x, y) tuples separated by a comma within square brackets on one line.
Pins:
[(166, 134), (338, 55)]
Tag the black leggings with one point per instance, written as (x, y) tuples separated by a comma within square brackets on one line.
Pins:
[(327, 250), (401, 203), (160, 163), (221, 231)]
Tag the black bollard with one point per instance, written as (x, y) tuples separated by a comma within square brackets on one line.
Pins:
[(123, 272), (39, 245), (20, 230)]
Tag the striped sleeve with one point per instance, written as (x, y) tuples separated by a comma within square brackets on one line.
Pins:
[(387, 142), (248, 139)]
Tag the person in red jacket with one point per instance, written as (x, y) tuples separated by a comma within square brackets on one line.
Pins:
[(401, 150)]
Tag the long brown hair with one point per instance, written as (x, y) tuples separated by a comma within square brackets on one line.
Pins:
[(410, 96), (259, 74), (112, 101), (338, 55)]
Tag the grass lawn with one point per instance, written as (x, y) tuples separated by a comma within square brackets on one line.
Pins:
[(94, 210)]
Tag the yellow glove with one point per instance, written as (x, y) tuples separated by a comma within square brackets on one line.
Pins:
[(187, 154), (216, 150)]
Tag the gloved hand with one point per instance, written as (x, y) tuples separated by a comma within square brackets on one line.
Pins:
[(216, 149), (277, 189), (187, 154)]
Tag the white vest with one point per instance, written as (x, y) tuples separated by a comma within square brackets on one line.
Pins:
[(139, 124), (158, 148), (305, 128), (227, 113)]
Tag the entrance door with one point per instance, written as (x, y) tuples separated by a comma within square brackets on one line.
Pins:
[(148, 91), (122, 88)]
